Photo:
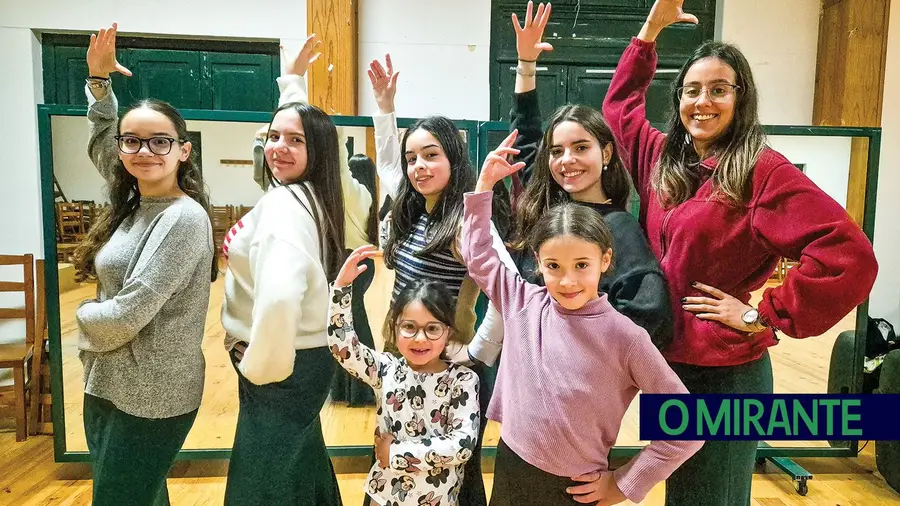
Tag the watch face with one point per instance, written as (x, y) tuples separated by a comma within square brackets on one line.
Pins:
[(751, 316)]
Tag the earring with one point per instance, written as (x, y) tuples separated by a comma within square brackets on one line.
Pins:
[(605, 167)]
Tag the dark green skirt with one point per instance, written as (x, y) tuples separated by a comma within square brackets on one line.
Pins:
[(130, 455), (279, 454), (721, 473)]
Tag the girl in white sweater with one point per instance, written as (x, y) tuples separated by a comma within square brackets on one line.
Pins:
[(281, 257)]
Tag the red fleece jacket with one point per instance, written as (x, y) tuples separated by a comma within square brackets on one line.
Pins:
[(736, 248)]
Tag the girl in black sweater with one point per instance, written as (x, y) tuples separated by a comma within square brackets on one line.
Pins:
[(575, 159)]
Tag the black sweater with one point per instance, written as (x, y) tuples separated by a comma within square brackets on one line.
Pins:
[(635, 283)]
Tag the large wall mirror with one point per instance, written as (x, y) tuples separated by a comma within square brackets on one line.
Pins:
[(74, 195), (842, 161)]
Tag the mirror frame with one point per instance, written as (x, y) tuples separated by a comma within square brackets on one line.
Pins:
[(477, 131), (45, 113)]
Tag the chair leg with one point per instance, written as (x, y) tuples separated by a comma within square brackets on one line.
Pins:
[(21, 418), (35, 377)]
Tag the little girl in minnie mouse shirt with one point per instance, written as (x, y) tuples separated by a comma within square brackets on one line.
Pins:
[(427, 408)]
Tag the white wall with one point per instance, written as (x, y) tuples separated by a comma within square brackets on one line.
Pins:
[(779, 39), (21, 57), (441, 48), (827, 161), (228, 184), (885, 300)]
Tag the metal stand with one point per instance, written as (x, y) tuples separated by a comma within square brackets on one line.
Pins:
[(799, 475)]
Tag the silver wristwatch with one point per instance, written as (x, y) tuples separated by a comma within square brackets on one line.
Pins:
[(752, 319)]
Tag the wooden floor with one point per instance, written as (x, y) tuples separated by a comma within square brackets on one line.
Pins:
[(800, 366), (29, 477)]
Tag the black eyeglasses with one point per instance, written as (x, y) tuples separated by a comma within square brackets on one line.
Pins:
[(131, 144), (717, 93), (433, 331)]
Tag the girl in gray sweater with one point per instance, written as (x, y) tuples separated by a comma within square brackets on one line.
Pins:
[(153, 257)]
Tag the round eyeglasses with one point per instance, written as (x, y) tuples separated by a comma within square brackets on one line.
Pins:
[(719, 93), (131, 144), (433, 331)]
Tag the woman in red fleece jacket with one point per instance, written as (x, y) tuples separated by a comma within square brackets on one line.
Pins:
[(720, 208)]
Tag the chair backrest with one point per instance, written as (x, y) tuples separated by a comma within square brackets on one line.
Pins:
[(40, 310), (70, 221), (26, 287)]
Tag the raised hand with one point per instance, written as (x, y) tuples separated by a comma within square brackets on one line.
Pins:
[(528, 37), (299, 64), (351, 268), (496, 166), (662, 14), (384, 84), (101, 53)]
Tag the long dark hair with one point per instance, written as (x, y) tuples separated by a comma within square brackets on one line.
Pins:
[(543, 192), (572, 219), (323, 171), (125, 197), (447, 214), (363, 170), (436, 298), (676, 177)]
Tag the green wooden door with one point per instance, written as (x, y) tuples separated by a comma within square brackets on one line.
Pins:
[(238, 82), (71, 71), (172, 76), (588, 86), (551, 85)]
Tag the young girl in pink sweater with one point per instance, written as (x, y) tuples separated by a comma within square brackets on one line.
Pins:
[(571, 364)]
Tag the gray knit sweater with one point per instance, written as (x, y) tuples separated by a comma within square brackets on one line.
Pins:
[(140, 341)]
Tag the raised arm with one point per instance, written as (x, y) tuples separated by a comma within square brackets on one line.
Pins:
[(455, 447), (103, 108), (358, 359), (525, 115), (485, 346), (503, 286), (178, 242), (624, 107), (387, 135), (292, 87)]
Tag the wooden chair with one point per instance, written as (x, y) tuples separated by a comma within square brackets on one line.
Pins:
[(15, 356), (241, 212), (70, 221), (39, 416), (222, 220), (88, 213), (70, 228)]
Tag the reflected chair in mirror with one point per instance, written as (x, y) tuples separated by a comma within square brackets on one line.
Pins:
[(17, 355), (70, 228), (222, 220)]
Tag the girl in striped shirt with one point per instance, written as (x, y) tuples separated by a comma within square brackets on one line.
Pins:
[(426, 173), (572, 364)]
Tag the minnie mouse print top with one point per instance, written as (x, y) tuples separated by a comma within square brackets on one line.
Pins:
[(433, 417)]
